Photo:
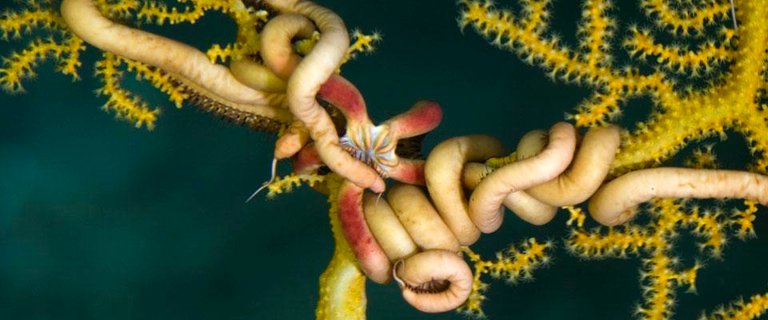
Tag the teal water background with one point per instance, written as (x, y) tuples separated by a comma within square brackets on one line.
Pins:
[(99, 220)]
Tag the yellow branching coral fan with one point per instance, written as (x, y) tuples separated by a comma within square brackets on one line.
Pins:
[(702, 90), (512, 265), (57, 43), (733, 100), (741, 310), (661, 272)]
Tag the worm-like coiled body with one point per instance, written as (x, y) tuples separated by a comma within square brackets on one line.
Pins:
[(421, 237)]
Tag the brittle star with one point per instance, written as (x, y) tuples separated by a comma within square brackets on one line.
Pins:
[(313, 77)]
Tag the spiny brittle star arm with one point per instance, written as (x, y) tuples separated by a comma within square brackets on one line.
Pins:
[(185, 63)]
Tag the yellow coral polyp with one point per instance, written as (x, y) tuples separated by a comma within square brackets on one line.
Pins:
[(686, 116), (661, 271), (287, 183), (124, 104), (117, 9), (361, 43), (513, 264), (741, 310), (15, 23), (694, 18), (675, 58), (159, 13)]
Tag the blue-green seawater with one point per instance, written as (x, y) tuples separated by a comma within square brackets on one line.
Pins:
[(99, 220)]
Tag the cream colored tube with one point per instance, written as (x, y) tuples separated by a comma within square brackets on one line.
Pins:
[(443, 173), (585, 174), (183, 61), (372, 259), (526, 207), (386, 228), (276, 48), (419, 217), (485, 202), (529, 209), (434, 280), (614, 203), (256, 76), (278, 55), (473, 173), (531, 144), (305, 82)]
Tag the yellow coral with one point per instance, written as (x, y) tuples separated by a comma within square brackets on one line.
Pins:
[(513, 264), (288, 182), (733, 102), (654, 243), (14, 23), (123, 103), (158, 12), (58, 44), (688, 19), (744, 220), (361, 43), (741, 310), (342, 284)]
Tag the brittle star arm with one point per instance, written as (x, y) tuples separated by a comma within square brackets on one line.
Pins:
[(314, 70), (183, 62), (373, 145)]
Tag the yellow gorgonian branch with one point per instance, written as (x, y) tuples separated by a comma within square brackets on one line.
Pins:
[(342, 284), (676, 58), (741, 310), (159, 79), (159, 13), (743, 220), (14, 23), (286, 183), (361, 43), (527, 36), (662, 273), (691, 16), (123, 103), (514, 264), (596, 31), (733, 102), (57, 44), (117, 8)]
